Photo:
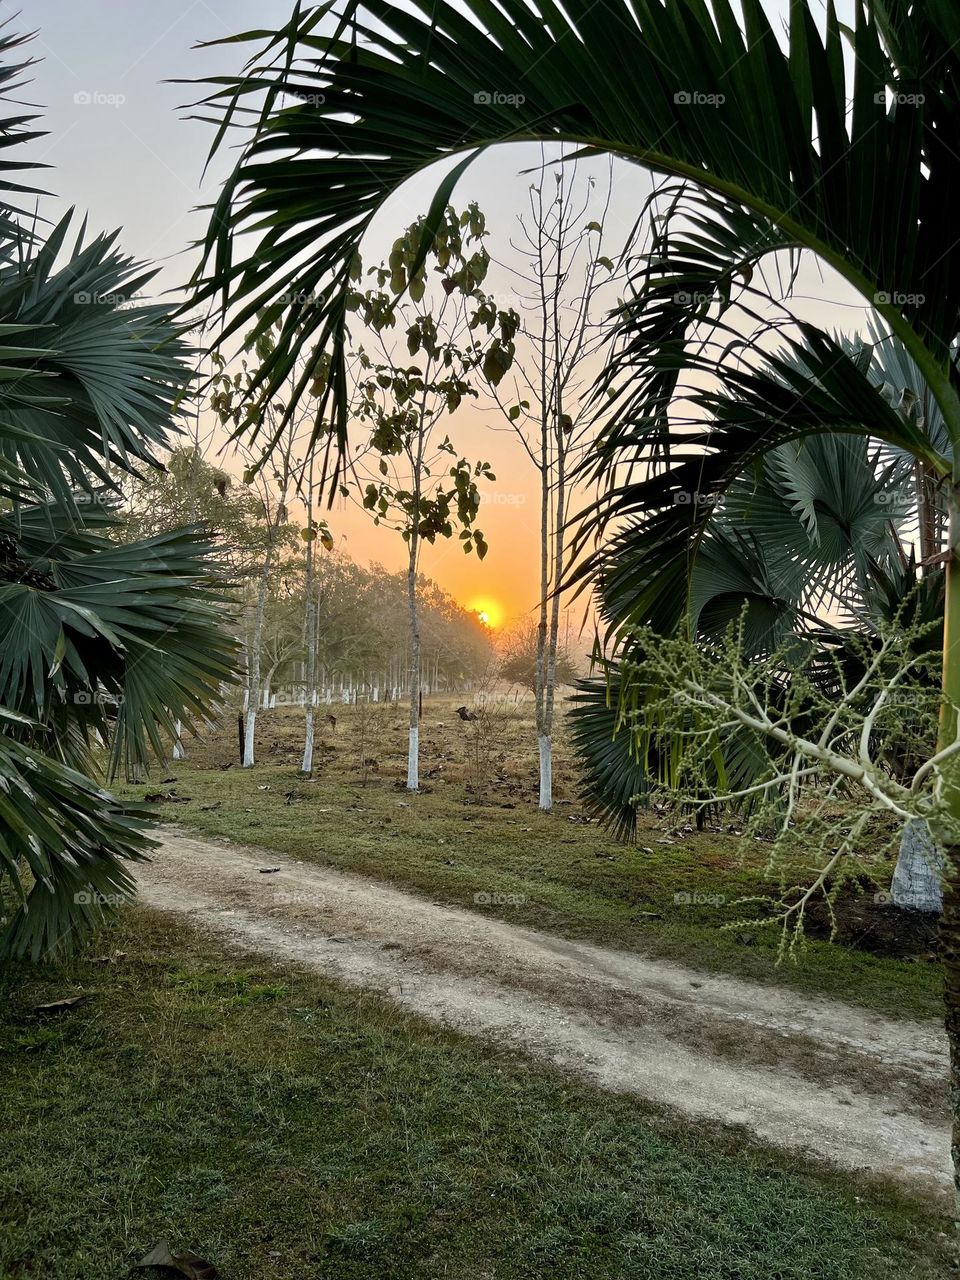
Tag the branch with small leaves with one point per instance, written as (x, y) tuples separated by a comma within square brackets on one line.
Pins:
[(835, 743)]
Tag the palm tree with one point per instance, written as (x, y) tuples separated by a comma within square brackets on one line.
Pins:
[(103, 645), (343, 110)]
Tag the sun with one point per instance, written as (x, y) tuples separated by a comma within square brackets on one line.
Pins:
[(487, 612)]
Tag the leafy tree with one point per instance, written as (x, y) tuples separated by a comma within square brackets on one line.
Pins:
[(454, 333), (187, 488)]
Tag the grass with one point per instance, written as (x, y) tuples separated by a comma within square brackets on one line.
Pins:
[(285, 1128), (554, 872)]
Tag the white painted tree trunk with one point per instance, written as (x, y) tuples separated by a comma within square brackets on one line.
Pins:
[(249, 734), (306, 766), (546, 771), (178, 751), (413, 748), (917, 879), (253, 664)]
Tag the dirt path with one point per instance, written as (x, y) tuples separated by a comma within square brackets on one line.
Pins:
[(822, 1078)]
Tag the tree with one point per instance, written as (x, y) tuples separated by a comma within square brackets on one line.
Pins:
[(187, 488), (273, 482), (776, 164), (522, 661), (311, 533), (453, 330), (565, 285), (103, 643)]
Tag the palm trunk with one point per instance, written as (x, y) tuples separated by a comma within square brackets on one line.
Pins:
[(950, 921)]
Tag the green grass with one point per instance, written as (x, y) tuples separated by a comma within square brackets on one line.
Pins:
[(571, 878), (285, 1128)]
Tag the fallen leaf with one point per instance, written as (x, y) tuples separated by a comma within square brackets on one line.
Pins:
[(268, 871), (57, 1006), (184, 1264)]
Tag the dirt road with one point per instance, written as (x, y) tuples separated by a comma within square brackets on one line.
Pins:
[(829, 1080)]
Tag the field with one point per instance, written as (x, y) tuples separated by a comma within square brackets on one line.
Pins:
[(284, 1128), (475, 828), (282, 1125)]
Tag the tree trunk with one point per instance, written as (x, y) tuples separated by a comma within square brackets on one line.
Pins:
[(540, 678), (253, 666), (950, 960), (413, 750), (950, 921), (917, 879), (310, 628), (178, 751), (306, 766)]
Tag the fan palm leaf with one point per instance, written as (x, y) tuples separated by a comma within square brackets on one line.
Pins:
[(100, 643)]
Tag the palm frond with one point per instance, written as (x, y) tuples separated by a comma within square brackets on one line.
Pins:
[(341, 111)]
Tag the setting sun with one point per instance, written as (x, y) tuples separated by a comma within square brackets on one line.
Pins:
[(487, 612)]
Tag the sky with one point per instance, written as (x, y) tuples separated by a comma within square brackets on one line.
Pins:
[(123, 148)]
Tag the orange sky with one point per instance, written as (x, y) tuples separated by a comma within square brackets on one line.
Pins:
[(508, 575)]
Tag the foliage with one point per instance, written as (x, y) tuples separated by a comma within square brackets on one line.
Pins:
[(455, 333), (809, 541), (519, 660), (187, 488), (100, 642), (830, 739), (680, 87)]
